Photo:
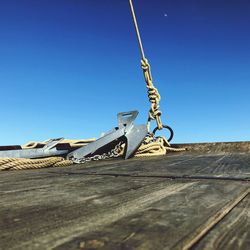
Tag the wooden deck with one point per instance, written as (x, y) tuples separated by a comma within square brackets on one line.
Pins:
[(199, 199)]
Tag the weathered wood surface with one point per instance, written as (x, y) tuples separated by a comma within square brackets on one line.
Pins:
[(233, 232), (181, 201), (185, 165), (216, 147)]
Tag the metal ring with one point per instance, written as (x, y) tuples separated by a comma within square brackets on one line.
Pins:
[(170, 130)]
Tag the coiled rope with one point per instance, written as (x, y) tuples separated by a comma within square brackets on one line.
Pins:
[(158, 146)]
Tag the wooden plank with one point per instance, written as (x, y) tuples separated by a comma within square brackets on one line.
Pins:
[(233, 232), (179, 165), (163, 224), (216, 147), (62, 189), (31, 218), (230, 166), (149, 203), (191, 240), (73, 210)]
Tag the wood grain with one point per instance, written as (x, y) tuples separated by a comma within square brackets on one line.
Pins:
[(165, 223), (227, 166), (147, 203), (233, 232)]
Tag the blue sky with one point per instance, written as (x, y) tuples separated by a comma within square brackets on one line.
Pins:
[(68, 66)]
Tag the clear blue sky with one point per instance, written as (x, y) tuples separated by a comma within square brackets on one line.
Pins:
[(68, 66)]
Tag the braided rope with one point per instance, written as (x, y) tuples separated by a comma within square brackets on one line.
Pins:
[(22, 163), (150, 147), (153, 95), (155, 147)]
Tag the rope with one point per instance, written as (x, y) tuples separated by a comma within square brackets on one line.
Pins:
[(155, 147), (136, 29), (22, 163), (150, 147), (153, 94)]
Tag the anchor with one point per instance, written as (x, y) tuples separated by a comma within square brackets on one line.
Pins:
[(126, 132)]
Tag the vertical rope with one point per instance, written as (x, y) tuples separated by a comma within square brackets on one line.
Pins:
[(137, 29), (153, 94)]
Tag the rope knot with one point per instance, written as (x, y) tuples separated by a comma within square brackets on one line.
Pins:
[(153, 94), (145, 64), (154, 98)]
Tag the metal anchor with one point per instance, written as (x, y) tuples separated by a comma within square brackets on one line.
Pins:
[(126, 131)]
